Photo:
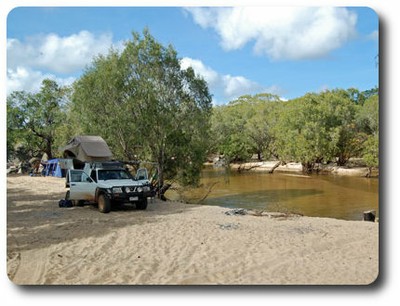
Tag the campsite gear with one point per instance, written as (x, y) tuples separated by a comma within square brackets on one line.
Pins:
[(87, 148), (65, 203), (57, 167)]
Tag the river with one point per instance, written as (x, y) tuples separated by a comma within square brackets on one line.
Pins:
[(333, 196)]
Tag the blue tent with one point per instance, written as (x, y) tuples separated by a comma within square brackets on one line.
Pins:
[(57, 167)]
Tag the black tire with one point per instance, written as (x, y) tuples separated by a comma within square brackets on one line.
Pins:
[(142, 205), (104, 203)]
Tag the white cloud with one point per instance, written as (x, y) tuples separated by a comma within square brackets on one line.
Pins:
[(374, 36), (52, 56), (235, 86), (226, 87), (23, 78), (55, 53), (280, 32), (207, 73)]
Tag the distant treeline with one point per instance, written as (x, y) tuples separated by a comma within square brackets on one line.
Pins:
[(331, 126)]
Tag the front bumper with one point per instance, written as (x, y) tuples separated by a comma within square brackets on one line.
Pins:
[(127, 197), (131, 196)]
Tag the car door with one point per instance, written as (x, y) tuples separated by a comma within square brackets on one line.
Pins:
[(82, 187)]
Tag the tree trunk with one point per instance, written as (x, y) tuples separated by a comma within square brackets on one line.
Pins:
[(163, 190), (274, 167), (48, 150), (342, 160), (307, 167), (368, 175), (161, 174)]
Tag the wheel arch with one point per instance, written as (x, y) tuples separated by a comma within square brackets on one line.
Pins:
[(100, 191)]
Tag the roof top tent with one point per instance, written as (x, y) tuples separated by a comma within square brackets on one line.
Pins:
[(57, 167), (87, 149)]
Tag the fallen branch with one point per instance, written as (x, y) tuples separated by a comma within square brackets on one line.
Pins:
[(240, 169), (208, 192), (275, 166)]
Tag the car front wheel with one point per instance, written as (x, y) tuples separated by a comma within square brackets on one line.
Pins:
[(142, 205), (104, 203)]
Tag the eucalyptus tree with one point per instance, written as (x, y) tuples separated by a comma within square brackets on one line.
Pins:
[(319, 127), (260, 126), (229, 131), (244, 126), (147, 107), (368, 121), (33, 118)]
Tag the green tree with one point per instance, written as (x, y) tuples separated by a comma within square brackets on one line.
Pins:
[(228, 125), (367, 117), (244, 126), (100, 101), (32, 119), (318, 127), (146, 107), (260, 126), (368, 121)]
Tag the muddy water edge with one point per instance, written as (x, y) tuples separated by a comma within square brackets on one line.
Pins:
[(332, 196)]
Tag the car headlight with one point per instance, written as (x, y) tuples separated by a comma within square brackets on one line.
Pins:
[(139, 189), (117, 190), (129, 189)]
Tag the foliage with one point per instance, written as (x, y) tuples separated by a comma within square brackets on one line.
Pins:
[(329, 126), (368, 120), (32, 120), (146, 107), (244, 127), (371, 151)]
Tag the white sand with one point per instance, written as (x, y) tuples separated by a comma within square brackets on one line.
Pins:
[(175, 243)]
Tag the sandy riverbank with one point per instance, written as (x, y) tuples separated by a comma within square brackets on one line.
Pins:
[(175, 243), (292, 167)]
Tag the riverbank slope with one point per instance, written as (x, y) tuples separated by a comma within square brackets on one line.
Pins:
[(176, 243)]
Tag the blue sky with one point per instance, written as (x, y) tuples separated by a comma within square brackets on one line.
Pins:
[(287, 51)]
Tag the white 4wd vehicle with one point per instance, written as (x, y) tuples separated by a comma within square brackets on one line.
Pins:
[(107, 183)]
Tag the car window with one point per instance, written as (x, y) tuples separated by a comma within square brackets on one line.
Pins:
[(79, 176), (113, 175), (93, 176)]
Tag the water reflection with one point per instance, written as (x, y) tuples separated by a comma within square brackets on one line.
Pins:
[(263, 199), (318, 196)]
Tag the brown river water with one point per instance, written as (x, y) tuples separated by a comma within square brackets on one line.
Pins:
[(333, 196)]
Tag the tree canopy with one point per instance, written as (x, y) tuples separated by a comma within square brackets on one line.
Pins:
[(146, 107), (331, 126), (33, 119), (243, 127)]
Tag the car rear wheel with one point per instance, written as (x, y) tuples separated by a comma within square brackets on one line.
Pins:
[(104, 203)]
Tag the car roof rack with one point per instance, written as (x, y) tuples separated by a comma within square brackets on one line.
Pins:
[(106, 165)]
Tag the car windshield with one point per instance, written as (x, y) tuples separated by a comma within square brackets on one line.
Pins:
[(113, 175)]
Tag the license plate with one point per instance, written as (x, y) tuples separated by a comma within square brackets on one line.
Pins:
[(133, 198)]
